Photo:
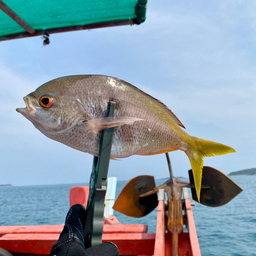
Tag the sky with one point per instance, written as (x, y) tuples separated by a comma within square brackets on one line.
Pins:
[(197, 57)]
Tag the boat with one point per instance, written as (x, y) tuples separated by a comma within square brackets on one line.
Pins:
[(131, 239), (175, 227)]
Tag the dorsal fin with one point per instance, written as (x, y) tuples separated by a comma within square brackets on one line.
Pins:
[(175, 117), (161, 103)]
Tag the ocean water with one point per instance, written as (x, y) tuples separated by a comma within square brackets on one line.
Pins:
[(223, 231)]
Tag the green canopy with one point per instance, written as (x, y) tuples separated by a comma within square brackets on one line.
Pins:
[(25, 18)]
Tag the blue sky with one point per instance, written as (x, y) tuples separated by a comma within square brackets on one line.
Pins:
[(197, 57)]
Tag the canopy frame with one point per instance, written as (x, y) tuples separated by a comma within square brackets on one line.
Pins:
[(140, 11), (16, 18)]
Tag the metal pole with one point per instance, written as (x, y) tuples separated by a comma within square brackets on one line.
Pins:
[(67, 29), (170, 167), (98, 186), (16, 18)]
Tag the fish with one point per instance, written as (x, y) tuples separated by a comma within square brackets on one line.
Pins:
[(73, 110)]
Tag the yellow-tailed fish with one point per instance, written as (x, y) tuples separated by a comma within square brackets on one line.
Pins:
[(73, 109)]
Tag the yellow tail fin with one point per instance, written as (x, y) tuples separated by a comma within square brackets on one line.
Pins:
[(200, 148)]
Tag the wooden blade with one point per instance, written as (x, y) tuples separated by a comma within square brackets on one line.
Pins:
[(129, 201), (221, 188)]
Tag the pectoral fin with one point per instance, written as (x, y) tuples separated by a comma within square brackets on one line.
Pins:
[(98, 124)]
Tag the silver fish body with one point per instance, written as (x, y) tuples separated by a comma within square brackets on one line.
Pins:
[(78, 99)]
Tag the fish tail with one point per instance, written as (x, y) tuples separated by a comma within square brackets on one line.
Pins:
[(199, 149)]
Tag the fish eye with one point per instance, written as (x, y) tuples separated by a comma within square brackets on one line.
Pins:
[(46, 101)]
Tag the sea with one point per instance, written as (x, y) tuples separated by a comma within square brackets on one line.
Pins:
[(222, 231)]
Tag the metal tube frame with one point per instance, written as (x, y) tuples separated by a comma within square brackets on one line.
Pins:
[(5, 8)]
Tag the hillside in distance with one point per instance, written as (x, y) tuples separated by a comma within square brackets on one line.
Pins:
[(251, 171)]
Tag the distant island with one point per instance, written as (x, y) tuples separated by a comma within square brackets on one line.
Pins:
[(5, 185), (251, 171)]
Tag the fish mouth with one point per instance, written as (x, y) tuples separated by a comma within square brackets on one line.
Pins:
[(29, 107)]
